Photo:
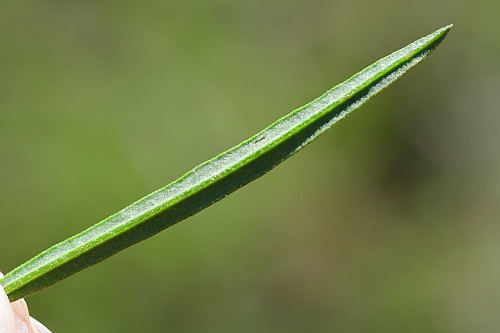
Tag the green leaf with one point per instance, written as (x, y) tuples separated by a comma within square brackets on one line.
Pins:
[(216, 178)]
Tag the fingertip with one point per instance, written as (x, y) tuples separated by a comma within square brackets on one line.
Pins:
[(7, 316)]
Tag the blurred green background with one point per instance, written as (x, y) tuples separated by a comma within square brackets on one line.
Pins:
[(387, 223)]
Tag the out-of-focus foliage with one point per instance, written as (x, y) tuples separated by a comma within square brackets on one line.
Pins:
[(398, 231)]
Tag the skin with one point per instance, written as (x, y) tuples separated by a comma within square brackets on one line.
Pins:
[(15, 317)]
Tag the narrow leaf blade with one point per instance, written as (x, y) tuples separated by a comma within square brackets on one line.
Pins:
[(216, 178)]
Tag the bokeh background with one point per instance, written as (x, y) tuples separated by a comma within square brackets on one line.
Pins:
[(388, 223)]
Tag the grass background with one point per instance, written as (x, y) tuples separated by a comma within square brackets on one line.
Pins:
[(389, 222)]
